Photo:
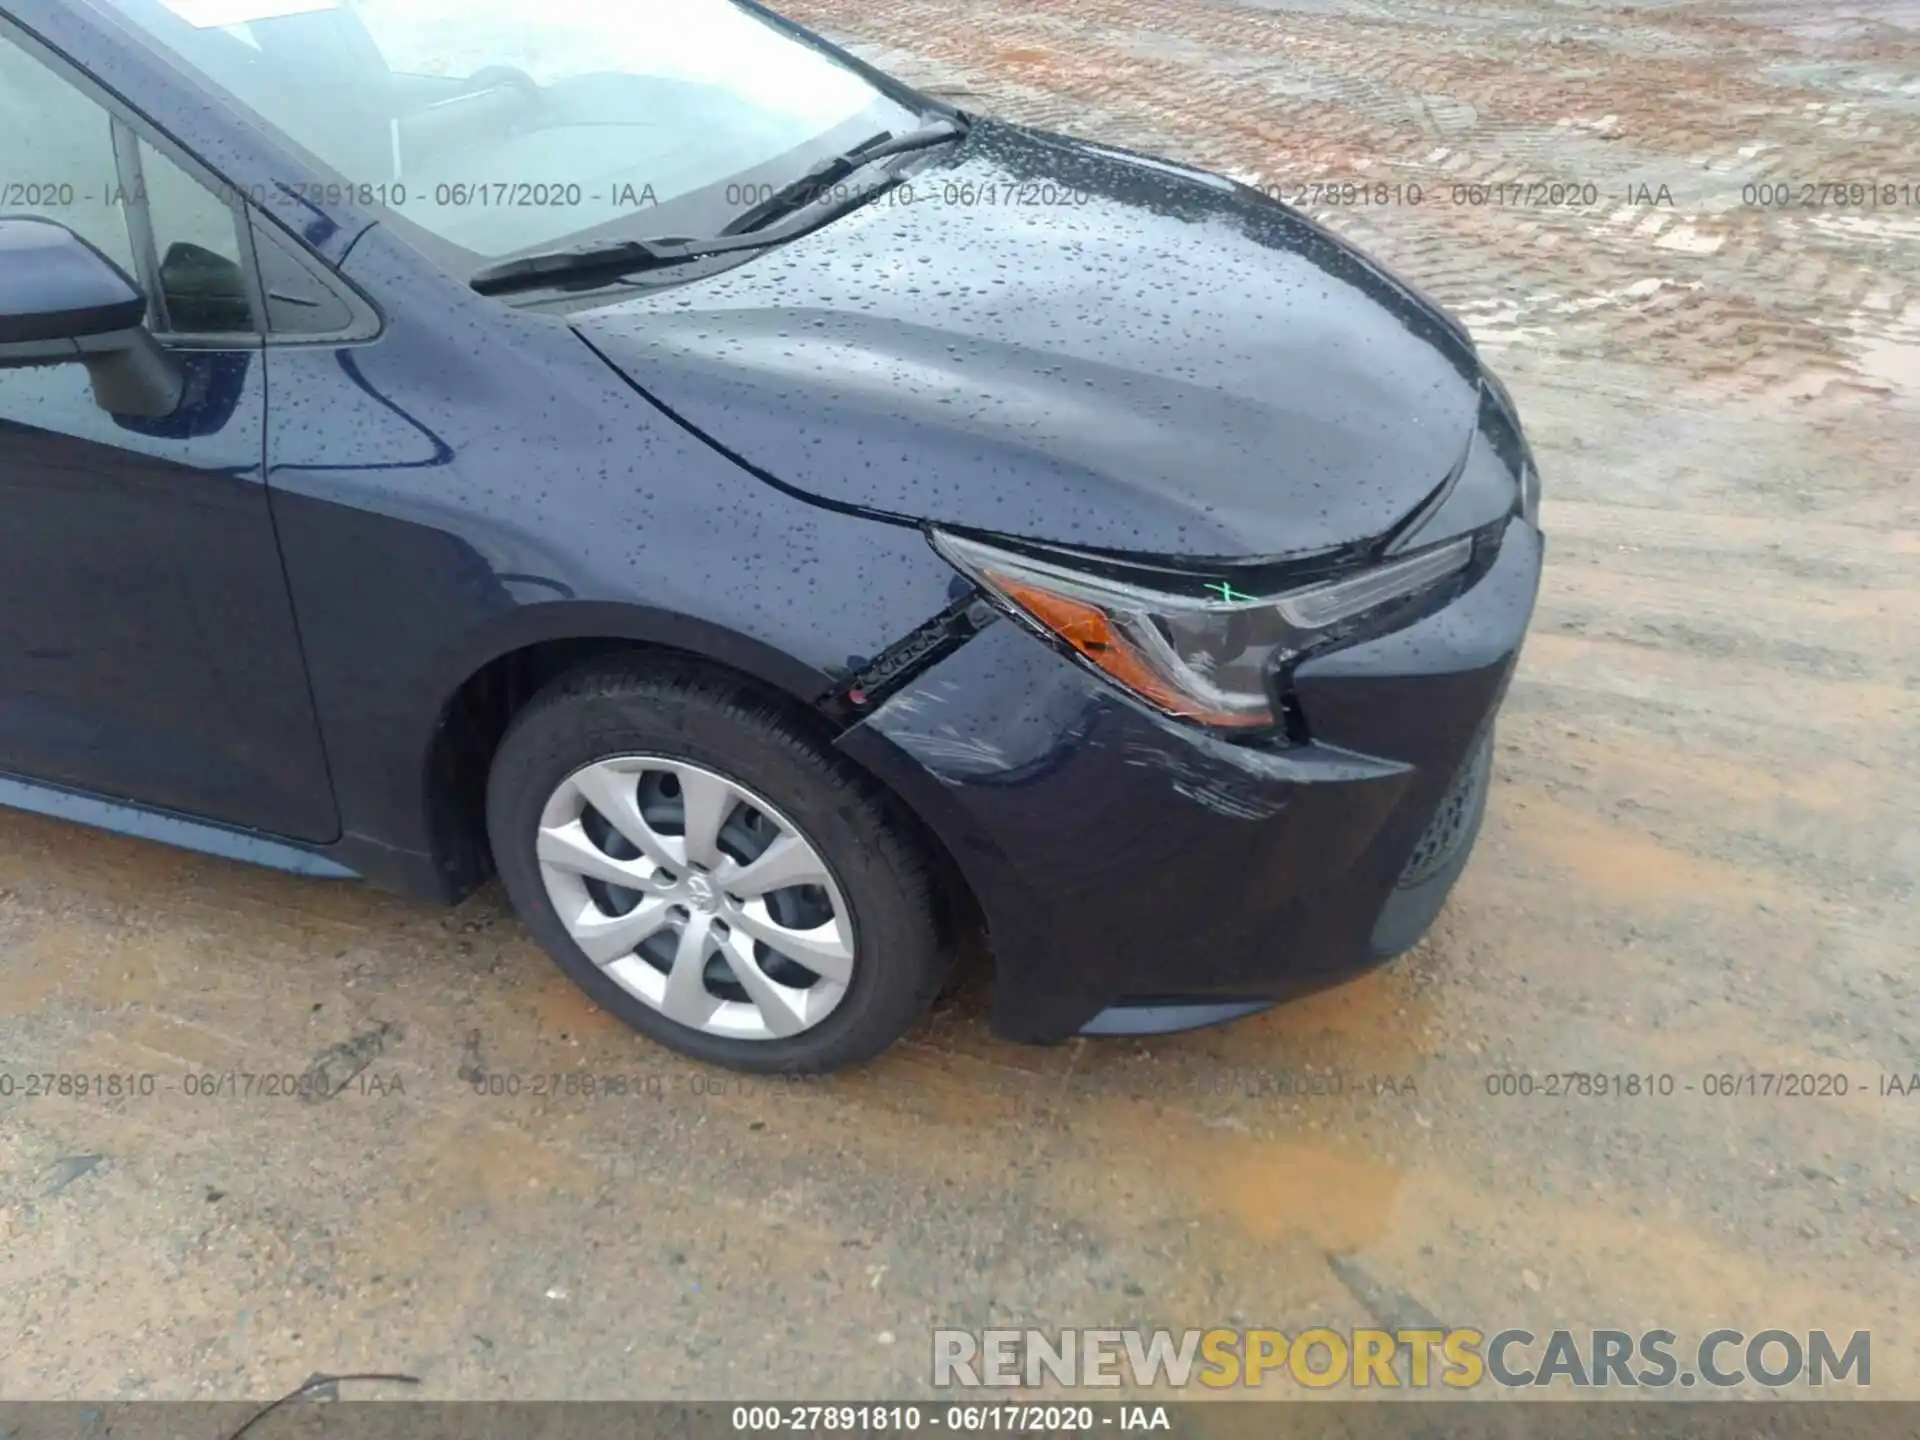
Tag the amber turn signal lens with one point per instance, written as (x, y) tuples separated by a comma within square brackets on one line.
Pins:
[(1090, 631)]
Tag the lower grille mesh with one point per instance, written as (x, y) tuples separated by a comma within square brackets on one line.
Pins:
[(1452, 822)]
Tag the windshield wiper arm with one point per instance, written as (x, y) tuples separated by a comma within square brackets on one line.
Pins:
[(601, 261), (804, 191)]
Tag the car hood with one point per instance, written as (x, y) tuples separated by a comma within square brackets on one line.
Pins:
[(1054, 340)]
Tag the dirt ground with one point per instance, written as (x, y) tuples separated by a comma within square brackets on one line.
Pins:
[(1700, 859)]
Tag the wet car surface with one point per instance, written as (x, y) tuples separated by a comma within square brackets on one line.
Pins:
[(596, 561), (1697, 861)]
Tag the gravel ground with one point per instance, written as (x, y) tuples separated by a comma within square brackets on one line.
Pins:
[(1700, 858)]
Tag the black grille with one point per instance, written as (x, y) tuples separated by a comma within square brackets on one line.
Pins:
[(1452, 822)]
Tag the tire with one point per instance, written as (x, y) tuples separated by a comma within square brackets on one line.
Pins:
[(571, 738)]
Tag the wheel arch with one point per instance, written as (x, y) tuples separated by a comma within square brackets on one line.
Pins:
[(481, 691), (482, 684)]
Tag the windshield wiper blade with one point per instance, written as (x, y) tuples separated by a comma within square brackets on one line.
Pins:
[(804, 191), (601, 261)]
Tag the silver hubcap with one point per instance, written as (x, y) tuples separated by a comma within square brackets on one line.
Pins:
[(696, 895)]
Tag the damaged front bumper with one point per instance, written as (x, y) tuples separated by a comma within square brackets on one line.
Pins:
[(1138, 874)]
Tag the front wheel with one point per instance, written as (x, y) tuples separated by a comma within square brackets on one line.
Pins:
[(712, 875)]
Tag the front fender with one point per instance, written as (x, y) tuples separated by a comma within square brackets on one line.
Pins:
[(478, 480)]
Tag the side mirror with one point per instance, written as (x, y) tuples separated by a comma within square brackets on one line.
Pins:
[(64, 303)]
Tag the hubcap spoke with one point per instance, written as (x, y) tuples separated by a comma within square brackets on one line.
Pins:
[(782, 1011), (615, 793), (694, 897), (789, 860), (707, 800), (605, 938), (823, 949), (569, 847), (687, 998)]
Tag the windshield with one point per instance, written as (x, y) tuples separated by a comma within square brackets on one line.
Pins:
[(494, 127)]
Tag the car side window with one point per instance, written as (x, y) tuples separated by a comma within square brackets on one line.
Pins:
[(60, 154), (196, 244), (88, 171)]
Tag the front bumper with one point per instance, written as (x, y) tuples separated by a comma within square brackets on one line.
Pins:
[(1130, 868)]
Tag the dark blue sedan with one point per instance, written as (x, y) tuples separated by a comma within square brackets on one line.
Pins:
[(777, 522)]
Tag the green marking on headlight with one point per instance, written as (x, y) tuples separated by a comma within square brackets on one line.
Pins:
[(1227, 592)]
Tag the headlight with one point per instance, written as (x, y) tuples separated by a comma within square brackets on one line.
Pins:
[(1201, 659), (1530, 493)]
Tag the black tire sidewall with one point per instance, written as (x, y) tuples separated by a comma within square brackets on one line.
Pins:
[(901, 961)]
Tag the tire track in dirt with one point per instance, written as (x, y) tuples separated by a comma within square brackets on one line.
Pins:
[(1699, 855)]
